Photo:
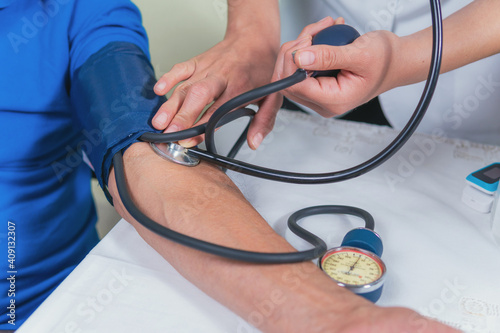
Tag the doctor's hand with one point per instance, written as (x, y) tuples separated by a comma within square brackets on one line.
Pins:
[(235, 65), (367, 68)]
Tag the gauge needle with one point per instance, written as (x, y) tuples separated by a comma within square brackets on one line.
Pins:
[(352, 267)]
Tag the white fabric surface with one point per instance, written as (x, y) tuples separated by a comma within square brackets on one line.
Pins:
[(441, 257), (466, 101)]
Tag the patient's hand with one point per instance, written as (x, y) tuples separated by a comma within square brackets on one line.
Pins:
[(375, 319)]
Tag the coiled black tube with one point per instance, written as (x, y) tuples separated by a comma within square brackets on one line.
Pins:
[(210, 155)]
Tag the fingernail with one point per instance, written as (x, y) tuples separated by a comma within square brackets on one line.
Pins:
[(304, 42), (172, 128), (257, 140), (160, 85), (161, 119), (324, 19), (306, 58), (187, 143)]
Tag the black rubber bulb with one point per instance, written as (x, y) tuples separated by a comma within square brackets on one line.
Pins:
[(336, 35)]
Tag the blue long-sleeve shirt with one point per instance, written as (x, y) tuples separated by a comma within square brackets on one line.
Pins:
[(47, 217)]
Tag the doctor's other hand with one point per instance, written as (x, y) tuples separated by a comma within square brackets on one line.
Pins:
[(235, 65), (368, 67)]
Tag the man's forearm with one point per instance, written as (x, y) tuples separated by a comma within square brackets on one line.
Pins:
[(202, 202)]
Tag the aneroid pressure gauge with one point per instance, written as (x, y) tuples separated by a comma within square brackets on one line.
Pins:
[(356, 263)]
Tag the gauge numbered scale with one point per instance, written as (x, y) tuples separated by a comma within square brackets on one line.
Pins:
[(356, 269), (356, 264)]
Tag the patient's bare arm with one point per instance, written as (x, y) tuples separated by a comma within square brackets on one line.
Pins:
[(203, 202)]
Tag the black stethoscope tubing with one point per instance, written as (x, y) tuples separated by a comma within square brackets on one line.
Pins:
[(224, 115)]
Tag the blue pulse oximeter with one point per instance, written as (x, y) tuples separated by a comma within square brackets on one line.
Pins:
[(485, 179)]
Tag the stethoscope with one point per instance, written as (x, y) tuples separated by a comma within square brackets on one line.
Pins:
[(225, 114)]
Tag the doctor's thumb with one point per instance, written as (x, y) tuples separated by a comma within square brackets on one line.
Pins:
[(319, 57)]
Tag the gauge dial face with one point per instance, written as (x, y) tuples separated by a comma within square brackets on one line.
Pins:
[(351, 266)]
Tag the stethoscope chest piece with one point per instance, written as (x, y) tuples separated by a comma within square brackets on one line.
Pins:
[(356, 264), (175, 153)]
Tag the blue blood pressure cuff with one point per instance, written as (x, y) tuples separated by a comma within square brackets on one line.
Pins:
[(112, 94)]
